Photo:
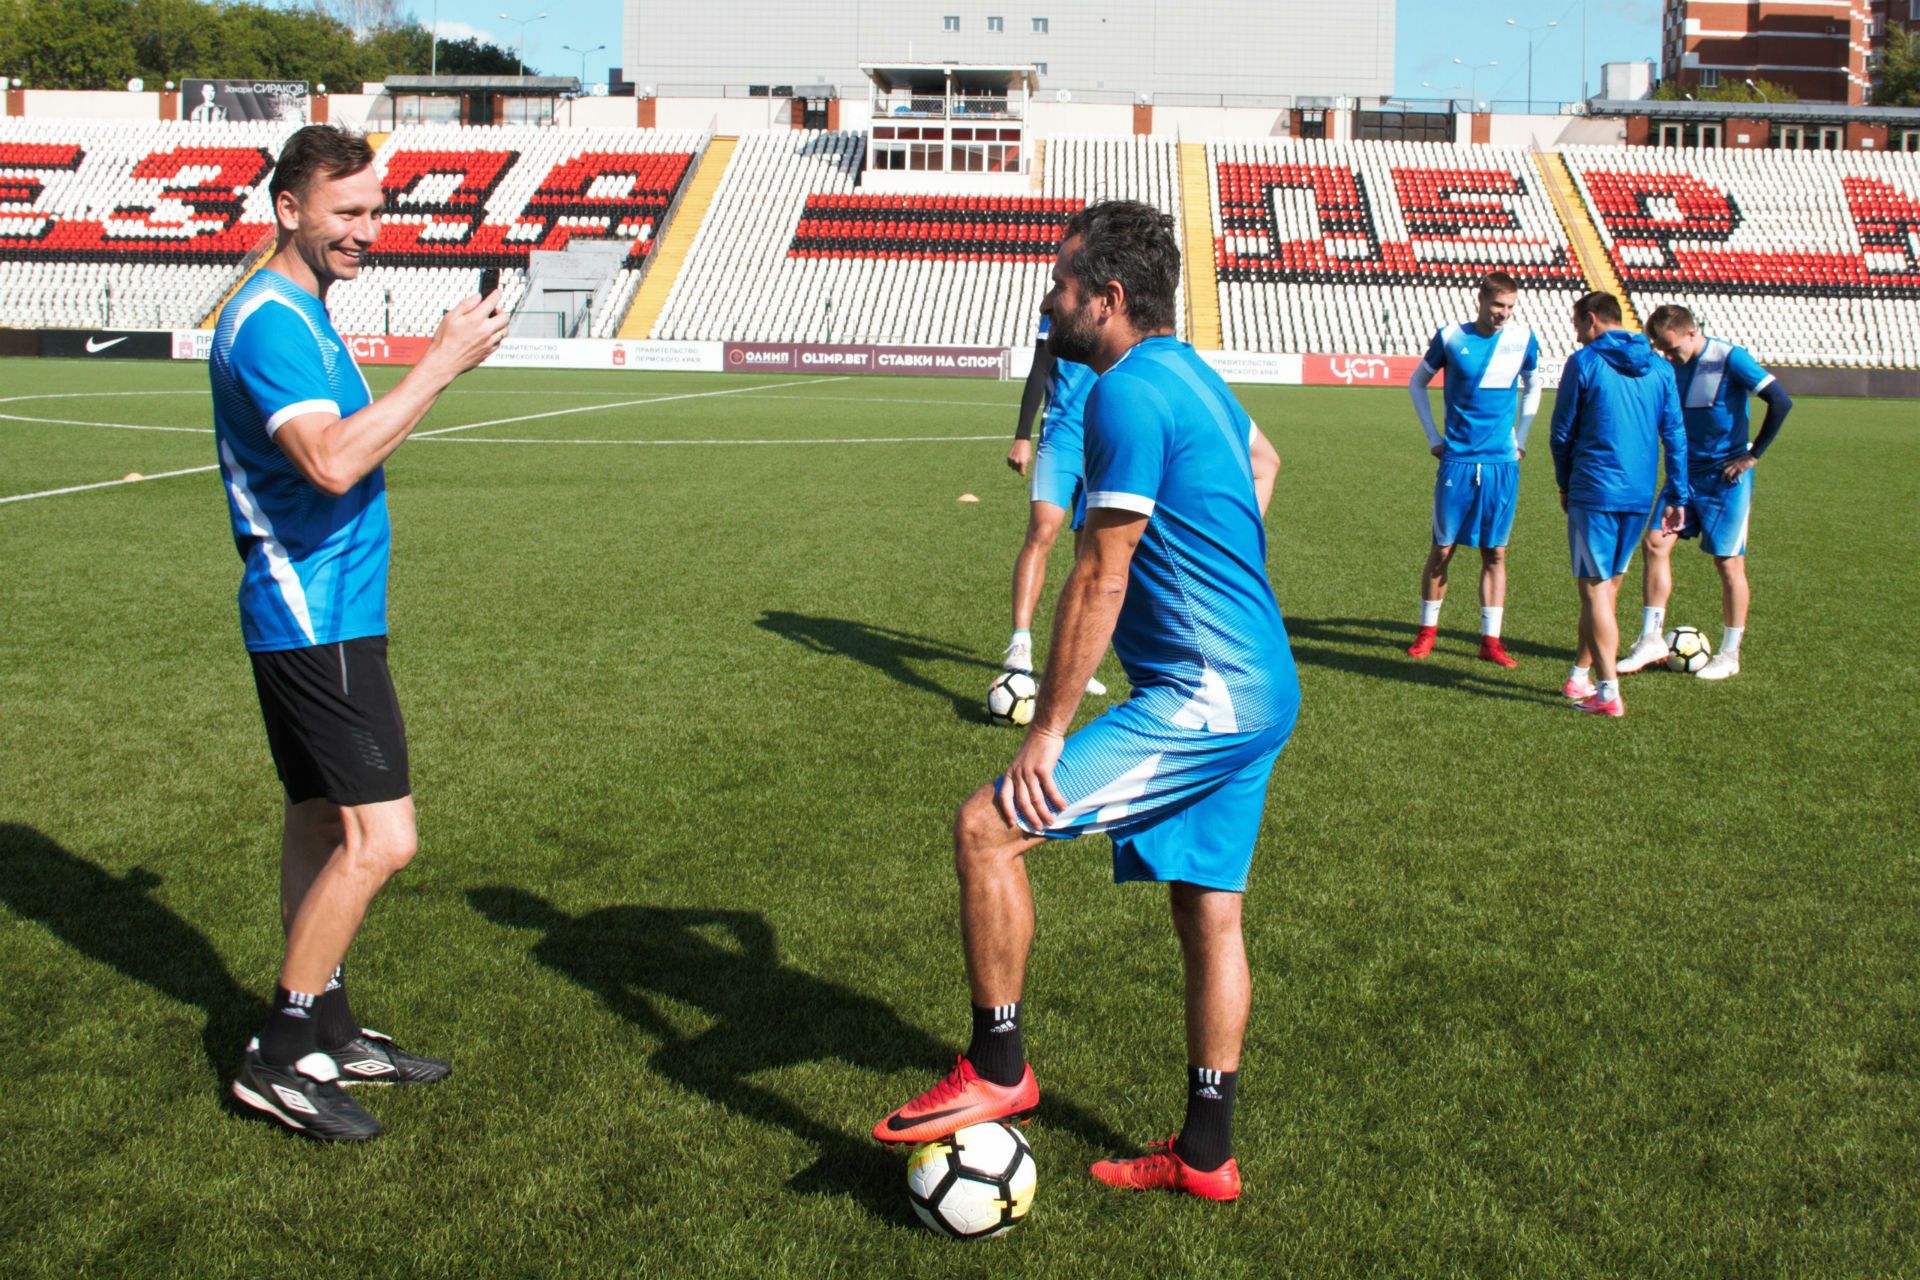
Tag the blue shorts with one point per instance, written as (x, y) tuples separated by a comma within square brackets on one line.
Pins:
[(1473, 503), (1602, 542), (1059, 474), (1178, 804), (1718, 513)]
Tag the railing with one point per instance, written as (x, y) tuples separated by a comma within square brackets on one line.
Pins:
[(920, 106)]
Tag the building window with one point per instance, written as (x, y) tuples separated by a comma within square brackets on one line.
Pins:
[(996, 24), (1710, 78), (1040, 24), (950, 23), (1832, 138), (1041, 67), (1913, 10), (1687, 134), (1910, 138)]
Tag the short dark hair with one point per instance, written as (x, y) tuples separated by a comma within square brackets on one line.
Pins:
[(319, 150), (1669, 316), (1495, 283), (1599, 306), (1131, 243)]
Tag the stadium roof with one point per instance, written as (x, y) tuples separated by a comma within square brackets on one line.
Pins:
[(932, 77), (525, 86), (1787, 112)]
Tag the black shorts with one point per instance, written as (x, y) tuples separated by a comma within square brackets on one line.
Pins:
[(333, 722)]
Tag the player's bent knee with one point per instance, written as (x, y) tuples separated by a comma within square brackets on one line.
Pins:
[(981, 835)]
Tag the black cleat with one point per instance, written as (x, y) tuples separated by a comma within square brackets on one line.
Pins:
[(305, 1096), (371, 1058)]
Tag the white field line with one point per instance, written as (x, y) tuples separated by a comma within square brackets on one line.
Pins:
[(107, 484), (440, 433), (827, 440), (623, 404)]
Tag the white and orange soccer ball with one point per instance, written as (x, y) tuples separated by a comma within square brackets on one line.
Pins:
[(1687, 649), (1011, 697), (975, 1184)]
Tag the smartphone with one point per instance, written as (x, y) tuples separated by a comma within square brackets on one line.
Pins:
[(489, 281)]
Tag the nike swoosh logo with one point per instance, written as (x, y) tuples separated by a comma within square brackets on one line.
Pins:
[(897, 1124), (111, 342)]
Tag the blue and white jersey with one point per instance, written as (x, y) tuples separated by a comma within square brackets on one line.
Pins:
[(1166, 439), (1714, 387), (1485, 373), (316, 565), (1067, 388)]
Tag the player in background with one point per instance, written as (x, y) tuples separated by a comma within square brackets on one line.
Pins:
[(301, 442), (1616, 413), (1059, 490), (1492, 368), (1172, 570), (1715, 378)]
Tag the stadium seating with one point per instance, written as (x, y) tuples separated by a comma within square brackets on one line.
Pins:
[(137, 225), (788, 233), (1369, 247), (464, 199), (1803, 257)]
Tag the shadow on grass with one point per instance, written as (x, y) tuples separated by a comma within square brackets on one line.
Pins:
[(765, 1015), (112, 919), (885, 650), (1386, 657)]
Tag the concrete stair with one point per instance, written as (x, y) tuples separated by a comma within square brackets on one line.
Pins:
[(670, 252), (1585, 237), (1203, 282)]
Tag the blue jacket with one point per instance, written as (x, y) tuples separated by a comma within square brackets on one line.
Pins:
[(1616, 411)]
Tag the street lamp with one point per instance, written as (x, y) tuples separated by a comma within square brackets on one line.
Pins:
[(1757, 89), (1530, 43), (520, 50), (583, 59), (1473, 71)]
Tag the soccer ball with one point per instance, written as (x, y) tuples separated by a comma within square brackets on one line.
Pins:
[(1010, 698), (975, 1184), (1687, 650)]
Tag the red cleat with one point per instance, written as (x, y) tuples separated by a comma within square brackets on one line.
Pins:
[(963, 1098), (1423, 643), (1491, 650), (1579, 690), (1595, 707), (1162, 1170)]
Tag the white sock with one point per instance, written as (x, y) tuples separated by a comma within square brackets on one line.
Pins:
[(1027, 636), (1490, 615), (1651, 620), (1578, 673), (1609, 690), (1730, 641), (1430, 613)]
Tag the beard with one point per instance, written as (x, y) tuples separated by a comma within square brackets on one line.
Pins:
[(1074, 337)]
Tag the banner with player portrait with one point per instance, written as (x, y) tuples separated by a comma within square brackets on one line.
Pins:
[(226, 101)]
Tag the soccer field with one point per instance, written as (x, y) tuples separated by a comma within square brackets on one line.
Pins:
[(692, 668)]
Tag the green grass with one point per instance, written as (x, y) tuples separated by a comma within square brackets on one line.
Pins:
[(1535, 995)]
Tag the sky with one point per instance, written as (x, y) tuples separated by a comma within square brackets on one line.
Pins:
[(1430, 35)]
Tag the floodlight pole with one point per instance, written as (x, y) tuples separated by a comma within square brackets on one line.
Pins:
[(1474, 70), (583, 58), (520, 52), (433, 43), (1546, 26)]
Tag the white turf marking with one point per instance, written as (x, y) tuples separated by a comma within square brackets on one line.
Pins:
[(624, 404), (829, 440), (499, 422), (107, 484)]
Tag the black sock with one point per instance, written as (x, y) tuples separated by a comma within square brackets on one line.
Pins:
[(333, 1022), (289, 1036), (996, 1053), (1206, 1139)]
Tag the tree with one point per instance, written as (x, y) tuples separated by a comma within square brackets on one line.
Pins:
[(475, 57), (1674, 91), (1898, 80), (76, 44)]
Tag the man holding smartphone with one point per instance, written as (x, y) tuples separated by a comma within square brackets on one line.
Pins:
[(302, 442)]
